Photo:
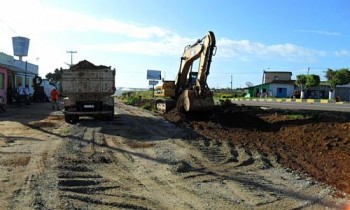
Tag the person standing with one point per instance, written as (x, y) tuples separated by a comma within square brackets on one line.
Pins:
[(19, 93), (54, 98)]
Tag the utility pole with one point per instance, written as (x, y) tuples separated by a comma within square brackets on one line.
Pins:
[(71, 56), (262, 82), (231, 82)]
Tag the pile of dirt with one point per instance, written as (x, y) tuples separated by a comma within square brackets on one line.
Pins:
[(84, 64), (316, 143)]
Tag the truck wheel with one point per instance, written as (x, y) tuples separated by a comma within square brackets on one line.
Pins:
[(74, 118), (67, 118), (108, 117), (71, 118)]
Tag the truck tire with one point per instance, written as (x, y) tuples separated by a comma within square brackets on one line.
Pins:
[(108, 117), (71, 118)]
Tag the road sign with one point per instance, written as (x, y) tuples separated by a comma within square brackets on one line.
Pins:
[(154, 74), (153, 82)]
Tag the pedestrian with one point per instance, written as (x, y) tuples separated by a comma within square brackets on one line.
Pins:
[(19, 93), (26, 90), (54, 98)]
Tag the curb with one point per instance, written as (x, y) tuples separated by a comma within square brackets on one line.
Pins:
[(280, 100)]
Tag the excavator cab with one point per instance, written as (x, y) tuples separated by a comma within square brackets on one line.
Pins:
[(192, 79)]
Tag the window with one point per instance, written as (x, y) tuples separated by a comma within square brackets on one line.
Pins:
[(2, 80), (18, 80)]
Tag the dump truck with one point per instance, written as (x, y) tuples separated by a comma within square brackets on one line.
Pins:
[(87, 91)]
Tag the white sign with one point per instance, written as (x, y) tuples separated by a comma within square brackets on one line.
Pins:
[(154, 74)]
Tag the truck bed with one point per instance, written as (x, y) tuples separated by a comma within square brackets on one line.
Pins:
[(88, 83)]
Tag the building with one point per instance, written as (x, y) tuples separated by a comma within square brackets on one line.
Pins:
[(14, 72), (270, 76), (277, 84)]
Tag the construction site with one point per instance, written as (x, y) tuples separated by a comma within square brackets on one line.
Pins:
[(90, 150), (235, 158)]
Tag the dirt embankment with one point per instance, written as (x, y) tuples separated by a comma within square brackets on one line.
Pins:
[(317, 143)]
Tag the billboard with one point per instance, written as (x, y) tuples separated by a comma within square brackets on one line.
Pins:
[(154, 74), (20, 46)]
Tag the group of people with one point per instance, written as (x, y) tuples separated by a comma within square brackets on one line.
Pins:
[(24, 94)]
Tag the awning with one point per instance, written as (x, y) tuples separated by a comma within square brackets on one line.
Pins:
[(16, 69)]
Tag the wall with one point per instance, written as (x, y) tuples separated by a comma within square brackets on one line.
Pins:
[(271, 76), (3, 83), (273, 89)]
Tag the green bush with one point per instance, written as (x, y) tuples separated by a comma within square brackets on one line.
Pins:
[(134, 100)]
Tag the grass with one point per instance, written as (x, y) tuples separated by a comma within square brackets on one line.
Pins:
[(302, 116), (296, 117), (65, 131)]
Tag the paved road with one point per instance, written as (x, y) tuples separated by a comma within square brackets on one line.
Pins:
[(299, 106)]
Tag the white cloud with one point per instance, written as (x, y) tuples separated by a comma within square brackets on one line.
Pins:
[(327, 33), (33, 16), (173, 45), (244, 48), (342, 53)]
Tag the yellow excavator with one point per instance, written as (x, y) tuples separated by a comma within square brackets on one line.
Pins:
[(190, 91)]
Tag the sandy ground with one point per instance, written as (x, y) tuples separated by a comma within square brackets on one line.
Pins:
[(141, 161)]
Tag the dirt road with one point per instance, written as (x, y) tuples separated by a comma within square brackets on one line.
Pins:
[(140, 161)]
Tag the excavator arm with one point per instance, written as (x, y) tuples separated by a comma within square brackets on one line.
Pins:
[(203, 50)]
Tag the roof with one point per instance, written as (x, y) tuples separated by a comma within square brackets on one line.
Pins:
[(19, 66), (16, 69), (279, 72), (287, 82)]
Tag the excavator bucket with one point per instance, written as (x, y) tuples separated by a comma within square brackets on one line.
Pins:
[(189, 101)]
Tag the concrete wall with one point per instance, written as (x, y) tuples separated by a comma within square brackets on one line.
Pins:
[(3, 83), (274, 87), (271, 76)]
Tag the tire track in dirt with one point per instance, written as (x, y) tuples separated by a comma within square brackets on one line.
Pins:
[(208, 169), (82, 178), (24, 153)]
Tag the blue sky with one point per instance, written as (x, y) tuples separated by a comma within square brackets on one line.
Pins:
[(133, 36)]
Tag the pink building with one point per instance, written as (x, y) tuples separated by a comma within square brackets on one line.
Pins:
[(14, 72), (3, 83)]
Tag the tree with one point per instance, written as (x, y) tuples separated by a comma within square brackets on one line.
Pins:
[(335, 78), (301, 82), (306, 81), (312, 80), (56, 76)]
